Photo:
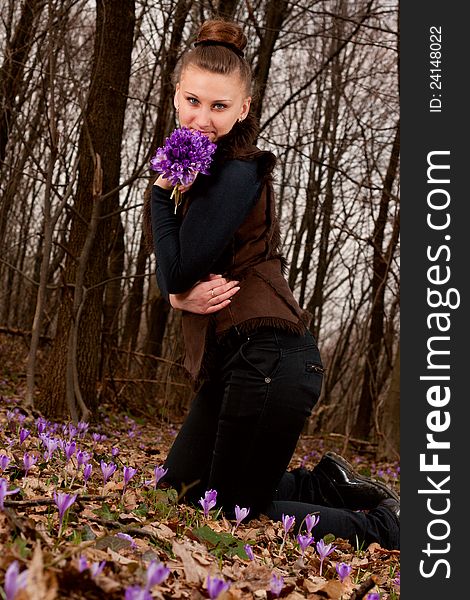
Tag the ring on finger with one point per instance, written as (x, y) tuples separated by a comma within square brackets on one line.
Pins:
[(212, 293)]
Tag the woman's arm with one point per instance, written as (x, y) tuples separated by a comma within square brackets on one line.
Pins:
[(187, 251)]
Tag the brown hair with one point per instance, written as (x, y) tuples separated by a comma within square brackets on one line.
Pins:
[(219, 48)]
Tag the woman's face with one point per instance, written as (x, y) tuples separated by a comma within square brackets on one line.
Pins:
[(210, 102)]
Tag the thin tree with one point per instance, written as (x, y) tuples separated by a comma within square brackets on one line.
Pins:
[(380, 268), (11, 83), (69, 387), (159, 313)]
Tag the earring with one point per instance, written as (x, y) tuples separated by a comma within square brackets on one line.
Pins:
[(240, 119)]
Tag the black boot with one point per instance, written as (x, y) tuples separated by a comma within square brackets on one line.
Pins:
[(336, 484), (392, 506)]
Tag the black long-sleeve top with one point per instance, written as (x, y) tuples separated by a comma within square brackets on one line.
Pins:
[(187, 249)]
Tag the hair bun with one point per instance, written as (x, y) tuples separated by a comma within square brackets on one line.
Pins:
[(218, 48), (223, 32)]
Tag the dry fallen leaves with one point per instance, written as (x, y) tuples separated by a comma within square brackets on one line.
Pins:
[(159, 530)]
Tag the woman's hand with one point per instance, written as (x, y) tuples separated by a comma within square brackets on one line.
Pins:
[(185, 188), (167, 185), (163, 183), (206, 296)]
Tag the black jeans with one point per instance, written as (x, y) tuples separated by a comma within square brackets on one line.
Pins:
[(242, 430), (244, 424), (300, 493)]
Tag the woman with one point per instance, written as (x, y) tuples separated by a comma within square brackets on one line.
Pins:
[(249, 351)]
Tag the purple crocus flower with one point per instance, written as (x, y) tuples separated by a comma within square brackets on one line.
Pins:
[(69, 431), (276, 584), (87, 469), (208, 502), (159, 473), (311, 521), (69, 450), (24, 433), (373, 596), (185, 154), (50, 444), (29, 460), (129, 473), (156, 574), (287, 522), (240, 514), (114, 452), (324, 550), (4, 462), (14, 580), (4, 491), (82, 563), (41, 425), (343, 570), (83, 457), (396, 581), (63, 502), (249, 551), (11, 415), (73, 431), (107, 470), (96, 568), (135, 592), (304, 542), (82, 428), (215, 586)]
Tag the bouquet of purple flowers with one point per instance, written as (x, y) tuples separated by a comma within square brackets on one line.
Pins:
[(186, 153)]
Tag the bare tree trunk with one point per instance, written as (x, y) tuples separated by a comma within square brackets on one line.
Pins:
[(380, 266), (226, 8), (113, 298), (158, 318), (135, 300), (328, 134), (310, 219), (153, 347), (11, 83), (169, 60), (12, 190), (49, 220), (11, 73), (388, 425), (276, 12), (100, 141), (159, 308), (46, 254)]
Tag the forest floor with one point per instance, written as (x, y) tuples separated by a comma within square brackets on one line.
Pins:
[(138, 543)]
